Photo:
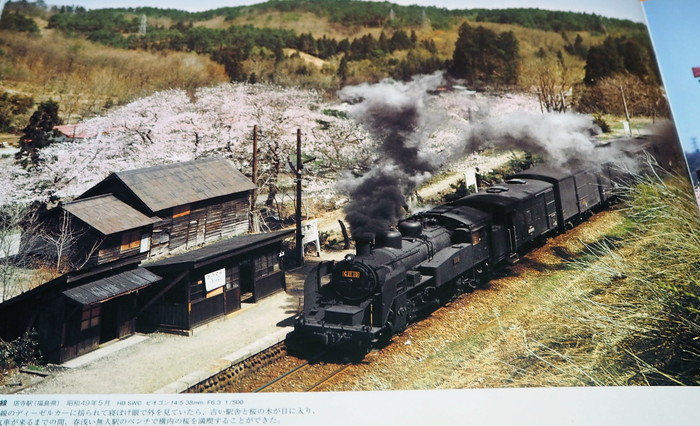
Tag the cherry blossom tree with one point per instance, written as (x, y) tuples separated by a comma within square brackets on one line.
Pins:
[(175, 125)]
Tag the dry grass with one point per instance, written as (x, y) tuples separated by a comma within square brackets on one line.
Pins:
[(83, 77), (302, 22)]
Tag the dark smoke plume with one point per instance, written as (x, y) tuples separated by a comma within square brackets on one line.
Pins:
[(394, 114), (402, 117)]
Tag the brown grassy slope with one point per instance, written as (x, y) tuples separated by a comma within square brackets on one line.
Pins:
[(300, 22), (530, 39), (83, 76)]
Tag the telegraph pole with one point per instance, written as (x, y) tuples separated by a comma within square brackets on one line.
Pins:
[(300, 236), (254, 225)]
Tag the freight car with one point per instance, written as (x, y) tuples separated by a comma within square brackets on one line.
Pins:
[(397, 276)]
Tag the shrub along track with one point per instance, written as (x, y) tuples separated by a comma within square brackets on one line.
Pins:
[(541, 322)]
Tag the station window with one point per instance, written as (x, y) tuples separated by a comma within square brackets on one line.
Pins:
[(90, 316), (234, 280), (197, 290), (266, 264)]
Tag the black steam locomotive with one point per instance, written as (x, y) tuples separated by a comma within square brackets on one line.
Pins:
[(358, 303)]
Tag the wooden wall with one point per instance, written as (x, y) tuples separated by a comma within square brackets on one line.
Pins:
[(111, 248), (200, 223)]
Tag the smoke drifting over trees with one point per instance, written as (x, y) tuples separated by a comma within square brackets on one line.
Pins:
[(417, 132)]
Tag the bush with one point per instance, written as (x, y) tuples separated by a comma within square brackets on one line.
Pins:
[(20, 352), (599, 121)]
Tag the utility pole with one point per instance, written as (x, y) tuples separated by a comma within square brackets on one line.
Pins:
[(300, 236), (254, 225)]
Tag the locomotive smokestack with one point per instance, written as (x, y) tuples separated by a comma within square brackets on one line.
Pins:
[(363, 244)]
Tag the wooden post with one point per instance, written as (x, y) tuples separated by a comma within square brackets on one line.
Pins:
[(299, 236), (254, 226), (627, 112), (346, 237)]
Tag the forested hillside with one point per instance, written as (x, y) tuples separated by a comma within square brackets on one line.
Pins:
[(89, 60)]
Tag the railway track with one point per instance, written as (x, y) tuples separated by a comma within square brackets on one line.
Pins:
[(305, 377)]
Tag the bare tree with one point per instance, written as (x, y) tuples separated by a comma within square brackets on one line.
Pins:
[(552, 81), (61, 237), (17, 231)]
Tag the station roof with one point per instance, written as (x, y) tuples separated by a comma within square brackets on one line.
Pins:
[(107, 214), (113, 286), (221, 250), (170, 185)]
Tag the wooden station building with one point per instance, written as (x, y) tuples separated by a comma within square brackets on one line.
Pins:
[(213, 281), (190, 203), (128, 225)]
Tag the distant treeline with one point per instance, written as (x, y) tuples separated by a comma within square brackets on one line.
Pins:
[(350, 12), (549, 20), (235, 44), (402, 43)]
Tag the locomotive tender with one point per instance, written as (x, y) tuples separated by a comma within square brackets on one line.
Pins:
[(359, 302)]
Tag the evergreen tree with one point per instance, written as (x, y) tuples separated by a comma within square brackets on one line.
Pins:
[(14, 21), (39, 132), (463, 56), (343, 70), (508, 46), (636, 59), (602, 61)]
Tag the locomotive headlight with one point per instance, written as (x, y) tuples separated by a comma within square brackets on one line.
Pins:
[(349, 257)]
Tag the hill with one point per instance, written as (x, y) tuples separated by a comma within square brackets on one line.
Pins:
[(89, 60)]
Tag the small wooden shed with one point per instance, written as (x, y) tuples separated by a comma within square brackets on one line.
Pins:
[(77, 312), (207, 283)]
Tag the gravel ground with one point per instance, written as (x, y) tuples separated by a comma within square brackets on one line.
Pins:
[(164, 358)]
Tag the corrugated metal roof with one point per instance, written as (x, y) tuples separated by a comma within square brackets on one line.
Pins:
[(107, 214), (227, 247), (171, 185), (110, 287)]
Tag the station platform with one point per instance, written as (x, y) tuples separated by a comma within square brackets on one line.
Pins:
[(168, 363)]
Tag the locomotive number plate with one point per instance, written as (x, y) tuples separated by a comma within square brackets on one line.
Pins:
[(351, 274)]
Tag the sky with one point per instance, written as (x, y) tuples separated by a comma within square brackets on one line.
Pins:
[(674, 35), (624, 9)]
